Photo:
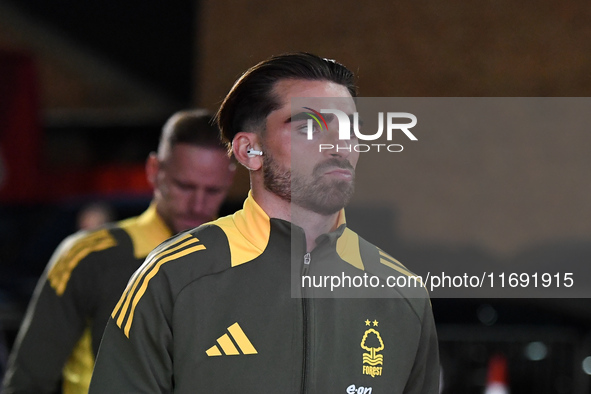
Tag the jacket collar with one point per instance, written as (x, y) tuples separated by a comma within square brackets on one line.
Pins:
[(254, 224), (146, 231)]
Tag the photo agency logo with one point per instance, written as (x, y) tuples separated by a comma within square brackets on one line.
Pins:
[(349, 130)]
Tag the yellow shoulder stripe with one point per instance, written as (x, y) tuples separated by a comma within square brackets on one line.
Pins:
[(136, 277), (154, 271), (65, 262), (130, 298), (391, 259), (405, 272), (396, 267), (391, 262)]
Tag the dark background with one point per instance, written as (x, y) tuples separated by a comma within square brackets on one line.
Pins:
[(86, 86)]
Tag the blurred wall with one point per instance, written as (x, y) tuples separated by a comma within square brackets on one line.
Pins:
[(502, 191)]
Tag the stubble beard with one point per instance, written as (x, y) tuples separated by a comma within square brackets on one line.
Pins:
[(314, 193)]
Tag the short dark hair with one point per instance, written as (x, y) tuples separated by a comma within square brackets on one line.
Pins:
[(250, 100), (193, 127)]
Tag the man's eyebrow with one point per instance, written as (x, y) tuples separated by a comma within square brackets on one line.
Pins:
[(297, 117), (306, 115)]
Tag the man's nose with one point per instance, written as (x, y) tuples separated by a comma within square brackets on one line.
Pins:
[(198, 200), (340, 147)]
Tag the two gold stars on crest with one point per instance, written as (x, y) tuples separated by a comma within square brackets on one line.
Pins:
[(375, 323)]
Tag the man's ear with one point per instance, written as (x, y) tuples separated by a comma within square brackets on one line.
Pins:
[(152, 167), (247, 150)]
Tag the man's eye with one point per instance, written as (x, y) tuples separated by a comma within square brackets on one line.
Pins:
[(303, 128), (183, 186), (214, 191)]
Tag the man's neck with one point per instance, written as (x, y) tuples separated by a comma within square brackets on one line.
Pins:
[(313, 224)]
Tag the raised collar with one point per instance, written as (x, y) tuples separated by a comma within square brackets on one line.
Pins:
[(146, 231), (253, 223)]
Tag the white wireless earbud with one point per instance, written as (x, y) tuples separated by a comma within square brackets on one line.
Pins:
[(254, 152)]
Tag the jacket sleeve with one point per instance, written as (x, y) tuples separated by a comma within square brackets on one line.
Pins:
[(425, 374), (52, 325), (135, 355)]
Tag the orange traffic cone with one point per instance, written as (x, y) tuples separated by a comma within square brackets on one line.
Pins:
[(497, 376)]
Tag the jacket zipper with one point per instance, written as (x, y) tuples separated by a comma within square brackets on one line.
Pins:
[(306, 267), (306, 264)]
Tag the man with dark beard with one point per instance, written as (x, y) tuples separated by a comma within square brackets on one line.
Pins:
[(211, 310)]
